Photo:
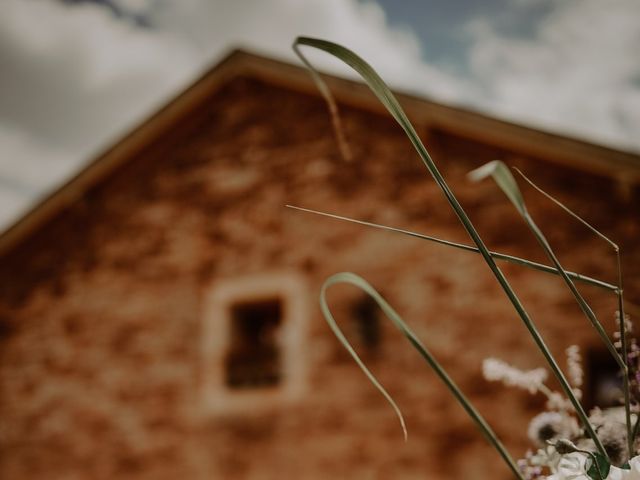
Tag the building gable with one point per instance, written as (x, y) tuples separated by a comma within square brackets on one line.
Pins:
[(114, 305), (430, 117)]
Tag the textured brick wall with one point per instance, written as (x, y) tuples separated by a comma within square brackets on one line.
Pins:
[(101, 313)]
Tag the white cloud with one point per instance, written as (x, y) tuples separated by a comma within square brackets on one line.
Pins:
[(74, 77), (271, 26), (27, 167), (72, 74), (38, 162), (578, 74), (73, 80)]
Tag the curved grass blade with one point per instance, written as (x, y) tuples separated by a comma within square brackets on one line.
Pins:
[(503, 177), (356, 280), (382, 92), (336, 122), (569, 211), (468, 248), (631, 433)]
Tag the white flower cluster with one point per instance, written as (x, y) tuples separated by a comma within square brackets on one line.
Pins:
[(547, 426), (573, 466), (574, 365), (494, 369), (564, 450)]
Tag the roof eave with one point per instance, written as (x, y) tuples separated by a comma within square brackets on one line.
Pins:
[(575, 153)]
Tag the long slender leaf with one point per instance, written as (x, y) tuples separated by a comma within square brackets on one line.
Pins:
[(380, 89), (468, 248), (620, 293), (503, 177), (356, 280)]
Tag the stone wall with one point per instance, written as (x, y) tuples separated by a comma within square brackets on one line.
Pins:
[(103, 312)]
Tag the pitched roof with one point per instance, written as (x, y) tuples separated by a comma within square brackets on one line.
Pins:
[(596, 159)]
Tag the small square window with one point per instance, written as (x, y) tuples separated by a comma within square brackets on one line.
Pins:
[(253, 343), (603, 380), (254, 354), (365, 321)]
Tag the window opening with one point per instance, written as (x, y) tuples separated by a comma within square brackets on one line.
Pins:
[(253, 359), (603, 380), (365, 314)]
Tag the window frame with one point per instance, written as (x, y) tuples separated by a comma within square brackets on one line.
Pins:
[(219, 299)]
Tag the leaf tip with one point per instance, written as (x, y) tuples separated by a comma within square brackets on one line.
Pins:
[(405, 433), (483, 171)]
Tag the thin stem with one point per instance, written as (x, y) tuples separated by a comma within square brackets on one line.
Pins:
[(623, 345), (356, 280), (583, 306), (581, 302), (393, 107), (620, 295), (568, 210), (499, 256)]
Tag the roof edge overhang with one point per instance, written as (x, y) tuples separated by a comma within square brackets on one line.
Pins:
[(596, 159)]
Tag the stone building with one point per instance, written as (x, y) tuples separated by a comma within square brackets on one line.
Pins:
[(159, 315)]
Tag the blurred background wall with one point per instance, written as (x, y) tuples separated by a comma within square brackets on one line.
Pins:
[(164, 322)]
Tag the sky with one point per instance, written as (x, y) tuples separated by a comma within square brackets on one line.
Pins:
[(77, 75)]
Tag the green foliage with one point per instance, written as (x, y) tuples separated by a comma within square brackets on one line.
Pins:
[(468, 248), (503, 177), (356, 280), (598, 467)]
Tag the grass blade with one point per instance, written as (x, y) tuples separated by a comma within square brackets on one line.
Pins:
[(503, 177), (468, 248), (382, 92), (353, 279), (631, 432)]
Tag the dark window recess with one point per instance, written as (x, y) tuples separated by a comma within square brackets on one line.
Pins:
[(603, 380), (253, 358), (7, 327), (366, 322)]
